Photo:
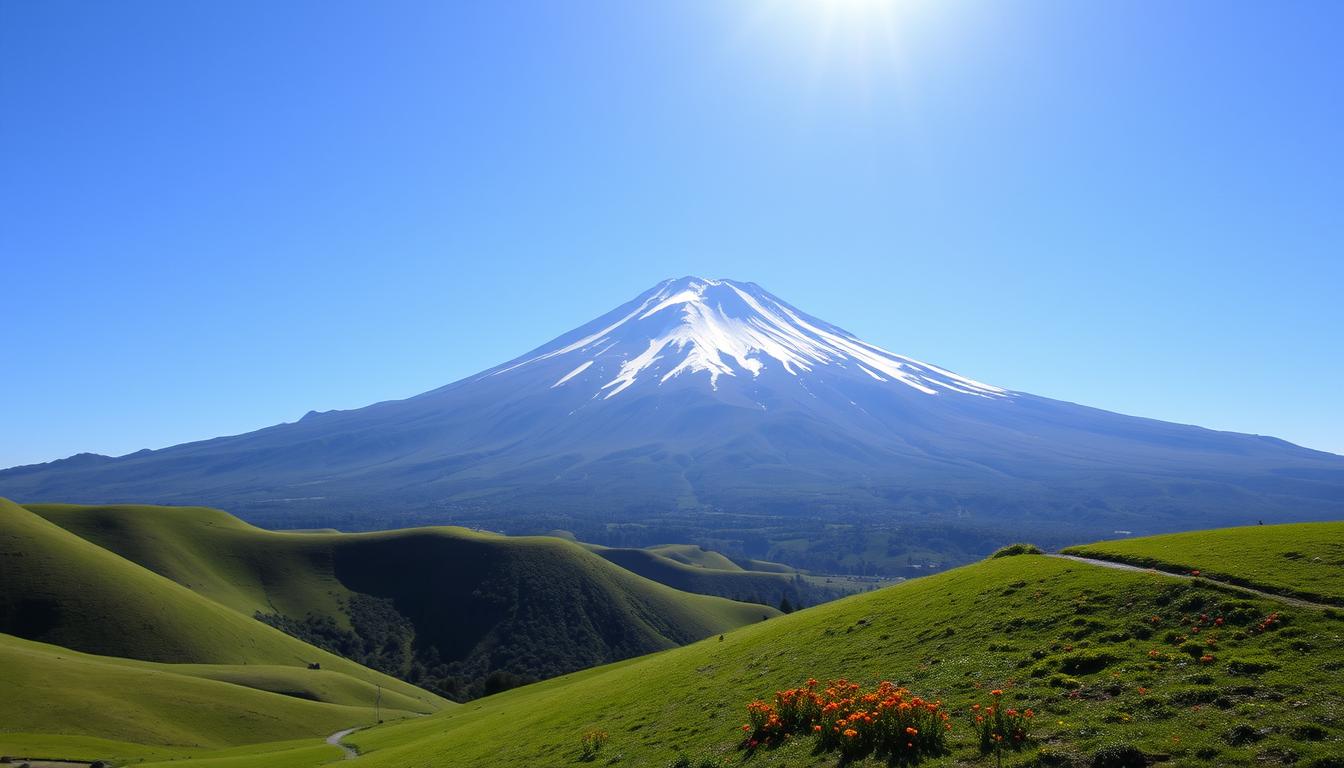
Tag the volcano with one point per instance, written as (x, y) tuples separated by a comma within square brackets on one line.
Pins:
[(716, 401)]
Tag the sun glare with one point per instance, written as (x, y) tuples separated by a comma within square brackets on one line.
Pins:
[(856, 41)]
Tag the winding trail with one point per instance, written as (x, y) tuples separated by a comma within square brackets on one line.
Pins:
[(1300, 603), (335, 741)]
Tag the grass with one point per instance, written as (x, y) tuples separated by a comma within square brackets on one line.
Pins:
[(286, 754), (464, 610), (72, 704), (1304, 560), (1110, 660), (692, 568), (64, 590), (1068, 639)]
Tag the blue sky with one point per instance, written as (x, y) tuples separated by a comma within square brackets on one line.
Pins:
[(216, 216)]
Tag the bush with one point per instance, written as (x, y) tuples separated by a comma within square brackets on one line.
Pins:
[(1013, 550), (1119, 756), (1240, 735), (1085, 663), (886, 721)]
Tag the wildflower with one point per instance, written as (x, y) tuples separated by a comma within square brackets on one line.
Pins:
[(996, 692), (1194, 573), (850, 733)]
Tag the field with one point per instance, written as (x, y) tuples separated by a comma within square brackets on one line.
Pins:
[(1304, 560)]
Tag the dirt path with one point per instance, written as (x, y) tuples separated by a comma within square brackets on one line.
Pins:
[(1141, 569), (335, 741)]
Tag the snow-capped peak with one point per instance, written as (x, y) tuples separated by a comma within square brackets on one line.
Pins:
[(724, 328)]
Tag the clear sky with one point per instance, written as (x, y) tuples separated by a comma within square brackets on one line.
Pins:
[(215, 216)]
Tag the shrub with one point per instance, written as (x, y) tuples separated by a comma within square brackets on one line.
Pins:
[(1119, 756), (590, 743), (1240, 735), (886, 721), (1085, 662), (1013, 550)]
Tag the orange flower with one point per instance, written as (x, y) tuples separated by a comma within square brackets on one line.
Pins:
[(850, 733), (996, 692)]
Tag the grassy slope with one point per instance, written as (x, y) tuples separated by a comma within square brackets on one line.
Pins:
[(1302, 559), (49, 690), (534, 606), (679, 574), (1020, 623), (690, 554), (63, 590)]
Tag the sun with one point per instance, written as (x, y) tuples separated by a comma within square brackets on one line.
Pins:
[(852, 39)]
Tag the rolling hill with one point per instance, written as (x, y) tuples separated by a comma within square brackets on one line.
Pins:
[(711, 409), (1121, 668), (1117, 665), (694, 569), (175, 708), (463, 612)]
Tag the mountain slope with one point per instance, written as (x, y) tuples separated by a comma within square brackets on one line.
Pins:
[(63, 590), (702, 399), (463, 611)]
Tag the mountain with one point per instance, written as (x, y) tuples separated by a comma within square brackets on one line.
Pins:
[(712, 411)]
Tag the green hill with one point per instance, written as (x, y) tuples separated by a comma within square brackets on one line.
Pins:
[(691, 554), (461, 612), (179, 707), (1304, 560), (64, 590), (1070, 640), (736, 583), (691, 568), (1120, 667)]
